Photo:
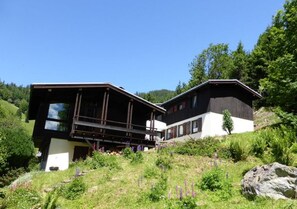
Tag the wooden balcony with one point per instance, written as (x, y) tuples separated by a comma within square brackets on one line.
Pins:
[(112, 131)]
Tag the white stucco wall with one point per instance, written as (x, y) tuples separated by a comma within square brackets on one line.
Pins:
[(61, 153), (212, 126), (159, 125)]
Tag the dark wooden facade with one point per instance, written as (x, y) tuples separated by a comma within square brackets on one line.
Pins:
[(93, 113), (211, 96)]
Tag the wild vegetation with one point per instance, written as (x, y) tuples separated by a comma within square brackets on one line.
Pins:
[(198, 173), (16, 147)]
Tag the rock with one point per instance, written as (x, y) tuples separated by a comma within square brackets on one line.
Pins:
[(275, 180), (47, 190), (67, 181)]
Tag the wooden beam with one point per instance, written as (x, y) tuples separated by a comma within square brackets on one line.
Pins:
[(109, 127)]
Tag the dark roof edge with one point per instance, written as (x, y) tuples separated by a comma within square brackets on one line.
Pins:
[(94, 85), (216, 81)]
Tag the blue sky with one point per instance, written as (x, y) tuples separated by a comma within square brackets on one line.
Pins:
[(139, 45)]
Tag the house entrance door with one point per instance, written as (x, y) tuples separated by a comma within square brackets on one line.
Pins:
[(80, 153)]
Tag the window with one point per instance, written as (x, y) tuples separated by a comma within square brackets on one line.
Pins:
[(182, 106), (194, 101), (197, 125), (57, 117), (181, 130), (169, 133)]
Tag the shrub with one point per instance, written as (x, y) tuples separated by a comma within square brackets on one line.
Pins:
[(17, 143), (186, 203), (157, 191), (215, 180), (10, 176), (293, 148), (164, 162), (75, 189), (150, 172), (227, 122), (137, 157), (128, 153), (237, 151), (51, 201), (203, 147), (212, 180), (258, 146), (280, 151), (100, 160), (22, 198)]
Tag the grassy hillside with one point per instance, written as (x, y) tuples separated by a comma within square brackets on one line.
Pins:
[(11, 109), (115, 182)]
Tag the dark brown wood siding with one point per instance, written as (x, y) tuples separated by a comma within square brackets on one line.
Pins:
[(232, 98), (212, 98), (203, 106)]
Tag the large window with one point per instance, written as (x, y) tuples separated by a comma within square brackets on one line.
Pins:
[(57, 117), (197, 125)]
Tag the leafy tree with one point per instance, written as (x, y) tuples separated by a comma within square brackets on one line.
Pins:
[(16, 142), (23, 106), (156, 96), (214, 62), (227, 122), (281, 83)]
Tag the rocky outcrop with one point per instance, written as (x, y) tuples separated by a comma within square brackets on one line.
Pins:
[(275, 180)]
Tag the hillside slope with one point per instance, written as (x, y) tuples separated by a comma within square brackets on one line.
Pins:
[(117, 183), (11, 109)]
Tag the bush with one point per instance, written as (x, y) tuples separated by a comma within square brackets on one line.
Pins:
[(293, 148), (22, 198), (157, 192), (202, 147), (128, 153), (281, 152), (51, 201), (186, 203), (150, 172), (215, 180), (164, 162), (10, 176), (17, 143), (137, 157), (212, 180), (74, 190), (227, 122), (100, 160), (259, 145), (237, 151)]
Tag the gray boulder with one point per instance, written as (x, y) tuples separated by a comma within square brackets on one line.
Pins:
[(275, 180)]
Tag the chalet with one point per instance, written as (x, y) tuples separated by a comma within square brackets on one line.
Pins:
[(71, 119), (197, 112)]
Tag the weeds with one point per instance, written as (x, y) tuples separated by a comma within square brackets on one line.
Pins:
[(238, 151), (101, 160), (74, 190)]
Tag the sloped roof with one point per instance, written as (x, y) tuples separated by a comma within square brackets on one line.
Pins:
[(39, 86), (217, 81)]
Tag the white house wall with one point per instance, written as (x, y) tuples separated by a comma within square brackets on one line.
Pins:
[(212, 126), (61, 153)]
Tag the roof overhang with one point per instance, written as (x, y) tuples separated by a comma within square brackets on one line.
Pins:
[(49, 86), (254, 94)]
